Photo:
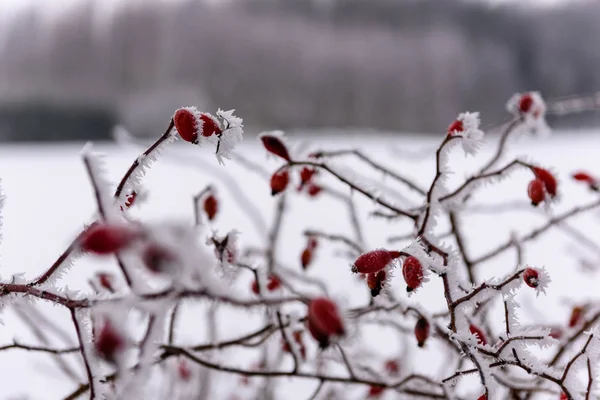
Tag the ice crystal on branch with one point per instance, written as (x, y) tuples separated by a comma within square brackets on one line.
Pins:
[(466, 126)]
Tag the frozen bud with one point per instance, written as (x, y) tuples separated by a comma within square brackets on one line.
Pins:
[(525, 102), (376, 391), (466, 126), (184, 371), (376, 281), (210, 125), (211, 206), (324, 320), (392, 367), (186, 122), (279, 181), (106, 280), (536, 191), (531, 277), (548, 179), (306, 257), (374, 261), (422, 331), (587, 178), (314, 190), (273, 142), (456, 127), (576, 316), (107, 238), (312, 242), (478, 333), (157, 258), (412, 271), (109, 342)]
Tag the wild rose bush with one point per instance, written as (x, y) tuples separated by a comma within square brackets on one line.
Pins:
[(315, 337)]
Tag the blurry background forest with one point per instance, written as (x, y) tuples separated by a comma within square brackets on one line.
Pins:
[(73, 72)]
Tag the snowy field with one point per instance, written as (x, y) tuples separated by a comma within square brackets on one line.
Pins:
[(48, 199)]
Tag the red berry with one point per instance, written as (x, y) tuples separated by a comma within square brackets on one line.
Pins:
[(376, 391), (531, 277), (563, 396), (273, 284), (412, 270), (306, 175), (320, 337), (324, 320), (186, 124), (211, 206), (279, 182), (536, 191), (109, 342), (184, 371), (456, 126), (107, 238), (478, 334), (306, 257), (548, 179), (276, 146), (421, 331), (374, 261), (392, 367), (583, 177), (482, 397), (525, 102), (210, 125), (314, 190), (106, 280), (587, 178), (375, 281), (576, 315), (157, 258)]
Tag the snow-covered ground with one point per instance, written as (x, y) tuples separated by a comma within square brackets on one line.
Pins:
[(48, 199)]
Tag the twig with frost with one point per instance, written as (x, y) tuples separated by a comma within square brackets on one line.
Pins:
[(375, 165)]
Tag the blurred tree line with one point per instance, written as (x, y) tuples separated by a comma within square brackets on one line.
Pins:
[(392, 65)]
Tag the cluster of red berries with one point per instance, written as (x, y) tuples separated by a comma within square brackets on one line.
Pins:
[(191, 126), (375, 266), (105, 238), (281, 178), (543, 185)]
